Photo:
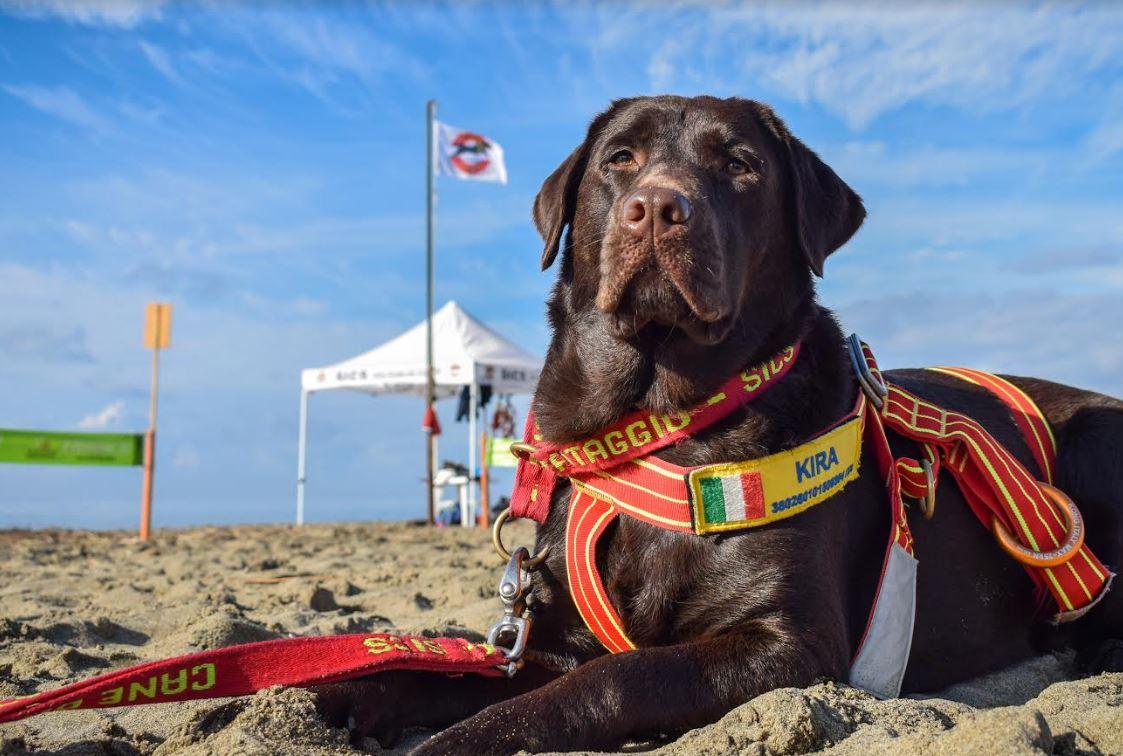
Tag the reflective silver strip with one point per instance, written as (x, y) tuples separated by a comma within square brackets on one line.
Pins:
[(879, 667)]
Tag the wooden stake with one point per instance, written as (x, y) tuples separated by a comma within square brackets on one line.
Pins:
[(157, 336)]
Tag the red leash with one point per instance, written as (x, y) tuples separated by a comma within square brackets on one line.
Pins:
[(242, 670)]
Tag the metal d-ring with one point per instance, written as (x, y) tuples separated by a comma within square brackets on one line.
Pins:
[(501, 550), (928, 503), (522, 450)]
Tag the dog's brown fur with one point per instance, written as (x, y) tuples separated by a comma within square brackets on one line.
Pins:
[(658, 322)]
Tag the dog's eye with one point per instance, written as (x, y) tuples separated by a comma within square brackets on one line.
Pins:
[(737, 167), (622, 159)]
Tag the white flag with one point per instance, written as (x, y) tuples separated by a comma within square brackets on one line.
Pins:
[(466, 155)]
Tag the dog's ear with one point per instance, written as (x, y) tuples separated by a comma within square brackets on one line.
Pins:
[(554, 206), (556, 202), (828, 212)]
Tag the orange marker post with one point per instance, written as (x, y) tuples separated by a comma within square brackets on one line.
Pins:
[(485, 493), (157, 336)]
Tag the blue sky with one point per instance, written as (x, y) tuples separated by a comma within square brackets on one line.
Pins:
[(261, 168)]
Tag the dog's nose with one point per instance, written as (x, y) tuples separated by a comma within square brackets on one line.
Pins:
[(653, 211)]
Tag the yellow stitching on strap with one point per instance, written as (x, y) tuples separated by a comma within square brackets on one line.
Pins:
[(656, 468), (596, 493)]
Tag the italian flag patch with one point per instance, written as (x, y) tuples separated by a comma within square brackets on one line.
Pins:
[(732, 498)]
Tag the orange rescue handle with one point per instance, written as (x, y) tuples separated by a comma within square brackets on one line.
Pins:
[(1074, 525)]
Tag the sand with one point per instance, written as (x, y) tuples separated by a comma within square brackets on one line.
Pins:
[(74, 604)]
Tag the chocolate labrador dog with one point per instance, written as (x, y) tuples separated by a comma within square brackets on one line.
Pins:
[(696, 227)]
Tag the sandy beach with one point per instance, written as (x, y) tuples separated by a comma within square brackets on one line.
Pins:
[(74, 604)]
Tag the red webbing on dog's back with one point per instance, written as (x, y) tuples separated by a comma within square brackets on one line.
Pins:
[(996, 485), (245, 669), (1032, 423)]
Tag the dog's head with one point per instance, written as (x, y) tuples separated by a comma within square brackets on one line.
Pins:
[(690, 217)]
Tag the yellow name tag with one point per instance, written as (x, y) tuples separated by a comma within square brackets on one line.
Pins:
[(741, 495)]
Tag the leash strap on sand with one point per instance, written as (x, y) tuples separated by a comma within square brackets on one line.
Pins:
[(246, 669)]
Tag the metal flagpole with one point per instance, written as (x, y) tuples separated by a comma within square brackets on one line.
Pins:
[(301, 456), (430, 396)]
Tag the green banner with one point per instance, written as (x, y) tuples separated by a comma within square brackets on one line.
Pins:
[(49, 448), (499, 453)]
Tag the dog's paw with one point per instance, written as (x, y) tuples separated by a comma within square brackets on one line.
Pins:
[(367, 707), (1105, 656), (463, 740), (499, 730)]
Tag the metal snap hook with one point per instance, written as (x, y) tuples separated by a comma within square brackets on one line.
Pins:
[(509, 633)]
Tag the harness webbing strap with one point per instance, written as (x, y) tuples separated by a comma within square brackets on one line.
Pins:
[(1031, 421), (638, 434), (675, 498), (587, 520), (241, 670), (649, 490), (995, 484), (897, 475)]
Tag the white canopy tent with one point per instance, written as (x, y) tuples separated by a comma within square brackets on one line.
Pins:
[(465, 353)]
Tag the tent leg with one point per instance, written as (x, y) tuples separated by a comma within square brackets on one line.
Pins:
[(430, 472), (300, 457), (467, 516)]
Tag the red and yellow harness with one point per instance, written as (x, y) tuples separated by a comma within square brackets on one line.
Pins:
[(616, 473)]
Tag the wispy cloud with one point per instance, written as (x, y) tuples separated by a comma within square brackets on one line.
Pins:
[(340, 47), (124, 14), (185, 225), (897, 166), (160, 60), (198, 283), (863, 60), (108, 416), (1069, 259), (186, 458), (1106, 138), (62, 103), (339, 61), (43, 343), (959, 220), (1025, 332), (143, 115)]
